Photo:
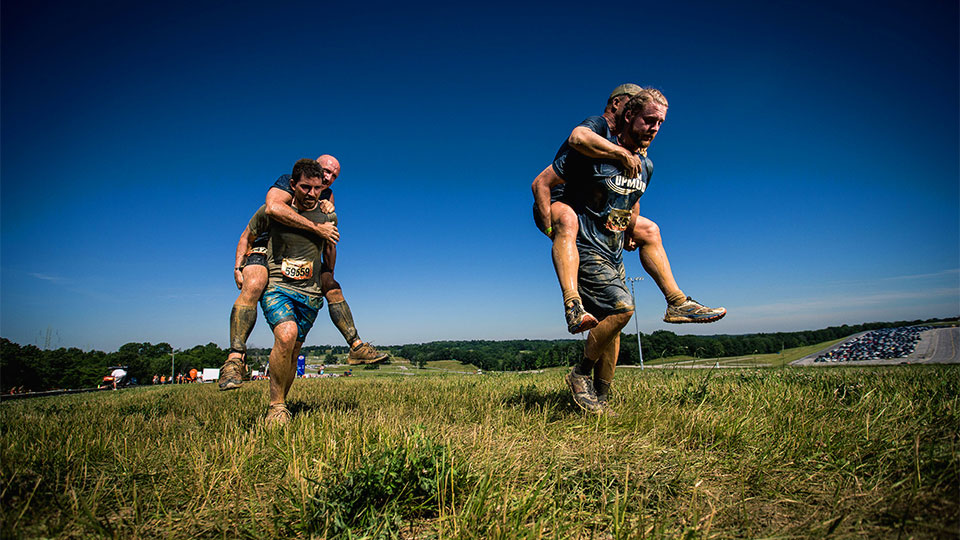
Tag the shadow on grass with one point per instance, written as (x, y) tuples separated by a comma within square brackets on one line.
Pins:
[(327, 405), (559, 402)]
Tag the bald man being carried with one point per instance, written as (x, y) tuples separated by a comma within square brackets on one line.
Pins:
[(250, 273)]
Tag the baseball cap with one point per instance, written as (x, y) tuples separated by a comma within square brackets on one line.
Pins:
[(629, 89)]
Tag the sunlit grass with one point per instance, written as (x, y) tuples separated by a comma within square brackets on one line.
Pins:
[(848, 452)]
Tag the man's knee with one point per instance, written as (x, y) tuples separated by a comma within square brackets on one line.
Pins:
[(646, 231), (254, 281), (620, 320), (331, 289), (334, 296), (564, 220), (285, 334)]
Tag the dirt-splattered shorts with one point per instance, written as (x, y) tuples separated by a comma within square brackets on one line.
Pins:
[(281, 305), (602, 285)]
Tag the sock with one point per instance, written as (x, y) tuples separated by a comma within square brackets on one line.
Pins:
[(585, 367), (602, 388), (343, 319), (242, 320), (676, 298), (569, 296)]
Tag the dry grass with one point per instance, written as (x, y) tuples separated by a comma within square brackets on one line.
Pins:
[(699, 454)]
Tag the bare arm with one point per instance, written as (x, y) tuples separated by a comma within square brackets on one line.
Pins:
[(330, 250), (246, 237), (629, 243), (590, 144), (541, 197), (278, 208)]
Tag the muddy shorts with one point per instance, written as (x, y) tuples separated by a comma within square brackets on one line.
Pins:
[(258, 251), (280, 305), (255, 259), (602, 285)]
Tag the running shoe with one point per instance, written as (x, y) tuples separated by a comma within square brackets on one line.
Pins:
[(581, 386), (578, 320), (366, 354), (231, 374), (277, 415), (691, 311)]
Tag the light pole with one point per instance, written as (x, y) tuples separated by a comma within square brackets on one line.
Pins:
[(636, 321)]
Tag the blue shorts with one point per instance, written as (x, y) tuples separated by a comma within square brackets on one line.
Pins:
[(602, 285), (281, 305)]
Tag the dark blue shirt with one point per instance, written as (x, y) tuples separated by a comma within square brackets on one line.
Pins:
[(600, 194), (569, 162), (284, 183)]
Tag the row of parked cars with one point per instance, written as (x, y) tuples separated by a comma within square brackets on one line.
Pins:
[(877, 345)]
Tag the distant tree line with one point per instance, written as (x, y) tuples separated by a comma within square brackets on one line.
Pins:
[(513, 355), (519, 355), (38, 369)]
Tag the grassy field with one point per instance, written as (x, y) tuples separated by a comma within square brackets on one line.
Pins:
[(750, 360), (399, 366), (785, 453)]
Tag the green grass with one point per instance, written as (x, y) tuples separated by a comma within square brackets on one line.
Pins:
[(753, 453), (400, 366), (750, 360)]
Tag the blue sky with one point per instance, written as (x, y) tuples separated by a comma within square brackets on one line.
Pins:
[(806, 176)]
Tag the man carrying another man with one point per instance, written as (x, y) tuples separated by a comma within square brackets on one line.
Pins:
[(250, 272), (605, 201), (597, 138), (294, 292)]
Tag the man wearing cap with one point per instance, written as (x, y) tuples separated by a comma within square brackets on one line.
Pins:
[(597, 137), (605, 200)]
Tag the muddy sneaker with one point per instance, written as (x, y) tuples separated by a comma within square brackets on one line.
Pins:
[(277, 415), (365, 354), (231, 374), (582, 388), (578, 320), (691, 311)]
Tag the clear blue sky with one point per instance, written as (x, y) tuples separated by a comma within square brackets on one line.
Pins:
[(806, 176)]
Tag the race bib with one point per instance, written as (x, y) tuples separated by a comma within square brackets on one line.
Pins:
[(618, 220), (298, 270)]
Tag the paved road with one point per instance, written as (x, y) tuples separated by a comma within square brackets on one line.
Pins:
[(940, 346), (937, 346)]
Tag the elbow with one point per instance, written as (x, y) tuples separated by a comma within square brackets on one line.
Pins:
[(540, 184), (576, 138), (277, 199), (272, 209)]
